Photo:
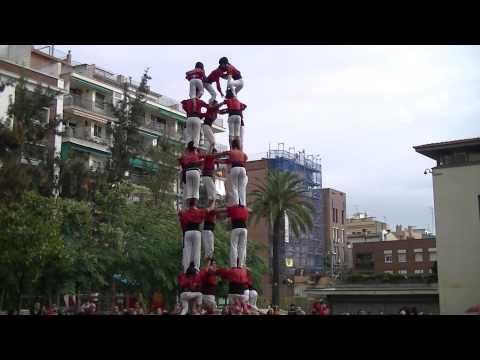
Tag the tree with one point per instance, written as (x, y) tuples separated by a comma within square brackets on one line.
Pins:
[(26, 143), (282, 194), (162, 174), (127, 140), (30, 238)]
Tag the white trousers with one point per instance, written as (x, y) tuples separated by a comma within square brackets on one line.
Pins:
[(208, 239), (193, 130), (209, 136), (251, 297), (196, 88), (211, 91), (210, 187), (192, 184), (209, 299), (186, 297), (233, 297), (242, 132), (228, 189), (238, 247), (234, 85), (239, 181), (234, 122), (192, 244)]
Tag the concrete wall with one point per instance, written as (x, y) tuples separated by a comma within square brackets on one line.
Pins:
[(456, 195)]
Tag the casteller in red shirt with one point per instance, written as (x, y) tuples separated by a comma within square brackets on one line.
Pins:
[(215, 76), (193, 107), (191, 283), (208, 165), (192, 216)]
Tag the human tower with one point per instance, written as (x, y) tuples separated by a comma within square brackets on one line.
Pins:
[(198, 286)]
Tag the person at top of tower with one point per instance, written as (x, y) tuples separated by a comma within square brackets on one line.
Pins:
[(235, 81), (235, 115), (214, 76), (196, 77), (193, 108), (209, 117), (191, 162)]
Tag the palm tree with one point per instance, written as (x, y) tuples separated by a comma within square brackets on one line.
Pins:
[(282, 194)]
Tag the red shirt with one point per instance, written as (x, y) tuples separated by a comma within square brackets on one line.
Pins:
[(211, 114), (231, 70), (189, 159), (249, 280), (215, 76), (237, 156), (195, 74), (192, 216), (211, 217), (235, 275), (208, 165), (237, 213), (190, 283), (209, 277), (233, 104), (193, 107)]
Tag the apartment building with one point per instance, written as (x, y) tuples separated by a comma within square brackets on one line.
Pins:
[(88, 94), (456, 190), (363, 228)]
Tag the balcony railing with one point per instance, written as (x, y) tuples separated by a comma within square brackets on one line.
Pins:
[(102, 108), (84, 134)]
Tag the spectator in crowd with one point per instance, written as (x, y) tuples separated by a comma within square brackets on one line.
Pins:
[(292, 310), (37, 309), (299, 311)]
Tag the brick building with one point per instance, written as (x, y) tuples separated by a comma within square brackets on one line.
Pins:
[(411, 256), (334, 212)]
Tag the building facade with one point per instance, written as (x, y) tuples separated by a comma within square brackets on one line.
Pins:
[(37, 69), (87, 97), (336, 247), (456, 189), (406, 257), (363, 228)]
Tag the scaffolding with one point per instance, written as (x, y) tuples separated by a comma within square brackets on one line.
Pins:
[(309, 167), (308, 249)]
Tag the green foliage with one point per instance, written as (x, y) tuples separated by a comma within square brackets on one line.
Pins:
[(26, 143), (127, 140), (387, 278), (283, 193)]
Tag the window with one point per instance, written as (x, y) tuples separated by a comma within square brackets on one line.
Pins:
[(402, 255), (418, 271), (418, 255), (402, 272), (343, 215), (432, 254), (99, 100), (97, 130), (388, 259), (333, 214)]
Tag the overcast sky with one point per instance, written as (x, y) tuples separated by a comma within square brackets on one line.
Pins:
[(361, 108)]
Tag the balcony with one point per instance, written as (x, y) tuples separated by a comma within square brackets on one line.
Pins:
[(100, 108), (82, 137)]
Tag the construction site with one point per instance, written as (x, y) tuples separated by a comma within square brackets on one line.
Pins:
[(303, 255)]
